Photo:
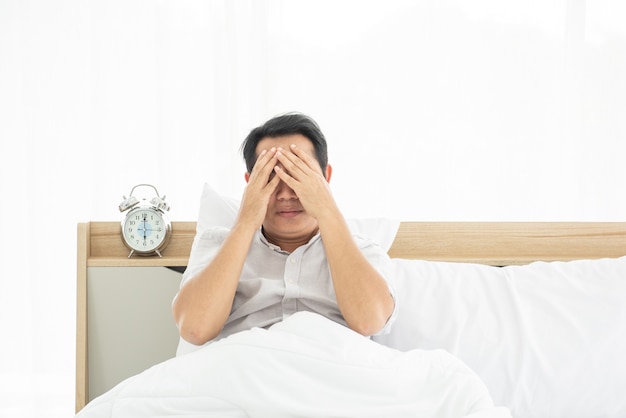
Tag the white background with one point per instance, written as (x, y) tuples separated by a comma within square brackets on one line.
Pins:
[(434, 110)]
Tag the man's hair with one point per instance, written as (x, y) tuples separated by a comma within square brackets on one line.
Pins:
[(283, 125)]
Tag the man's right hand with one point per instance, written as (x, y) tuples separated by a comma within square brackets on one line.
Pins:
[(261, 185)]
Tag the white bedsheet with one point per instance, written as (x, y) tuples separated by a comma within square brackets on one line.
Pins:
[(306, 366)]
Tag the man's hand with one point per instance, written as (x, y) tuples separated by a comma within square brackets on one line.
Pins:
[(260, 187), (303, 174), (362, 294), (203, 304)]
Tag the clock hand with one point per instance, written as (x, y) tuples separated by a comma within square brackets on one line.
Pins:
[(144, 228)]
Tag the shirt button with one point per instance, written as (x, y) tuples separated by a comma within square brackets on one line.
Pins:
[(293, 261)]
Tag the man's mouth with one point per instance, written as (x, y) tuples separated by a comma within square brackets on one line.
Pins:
[(289, 213)]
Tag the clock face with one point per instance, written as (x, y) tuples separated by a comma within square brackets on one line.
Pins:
[(144, 230)]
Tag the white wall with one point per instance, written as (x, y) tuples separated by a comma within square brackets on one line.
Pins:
[(434, 110)]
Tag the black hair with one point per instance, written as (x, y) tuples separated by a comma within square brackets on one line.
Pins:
[(283, 125)]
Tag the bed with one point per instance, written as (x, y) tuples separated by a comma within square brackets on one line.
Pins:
[(496, 319)]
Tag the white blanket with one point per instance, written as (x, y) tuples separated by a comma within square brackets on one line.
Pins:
[(306, 366)]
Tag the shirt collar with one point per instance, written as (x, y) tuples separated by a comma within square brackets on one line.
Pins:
[(276, 248)]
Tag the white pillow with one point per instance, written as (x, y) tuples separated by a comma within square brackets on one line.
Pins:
[(218, 210), (548, 339)]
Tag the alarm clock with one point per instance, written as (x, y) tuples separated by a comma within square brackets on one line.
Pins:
[(146, 229)]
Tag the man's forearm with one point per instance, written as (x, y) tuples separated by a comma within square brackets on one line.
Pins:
[(362, 293), (203, 304)]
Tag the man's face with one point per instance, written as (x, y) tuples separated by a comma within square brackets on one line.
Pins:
[(286, 218)]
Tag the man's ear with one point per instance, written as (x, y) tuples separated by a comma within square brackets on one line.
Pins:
[(329, 172), (247, 176)]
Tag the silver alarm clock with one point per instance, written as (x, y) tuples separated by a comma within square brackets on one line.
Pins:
[(146, 229)]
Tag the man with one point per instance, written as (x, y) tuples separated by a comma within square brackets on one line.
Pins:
[(289, 250)]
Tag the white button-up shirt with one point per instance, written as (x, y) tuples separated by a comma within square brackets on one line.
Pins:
[(275, 284)]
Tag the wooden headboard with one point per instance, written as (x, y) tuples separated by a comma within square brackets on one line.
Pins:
[(492, 243)]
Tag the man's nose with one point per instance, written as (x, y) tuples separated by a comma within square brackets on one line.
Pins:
[(284, 192)]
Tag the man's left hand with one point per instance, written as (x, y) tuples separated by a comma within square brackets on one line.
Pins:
[(303, 174)]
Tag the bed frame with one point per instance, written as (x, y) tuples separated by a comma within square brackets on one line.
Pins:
[(492, 243)]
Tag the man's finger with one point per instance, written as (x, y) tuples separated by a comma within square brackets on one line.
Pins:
[(307, 158), (264, 165)]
